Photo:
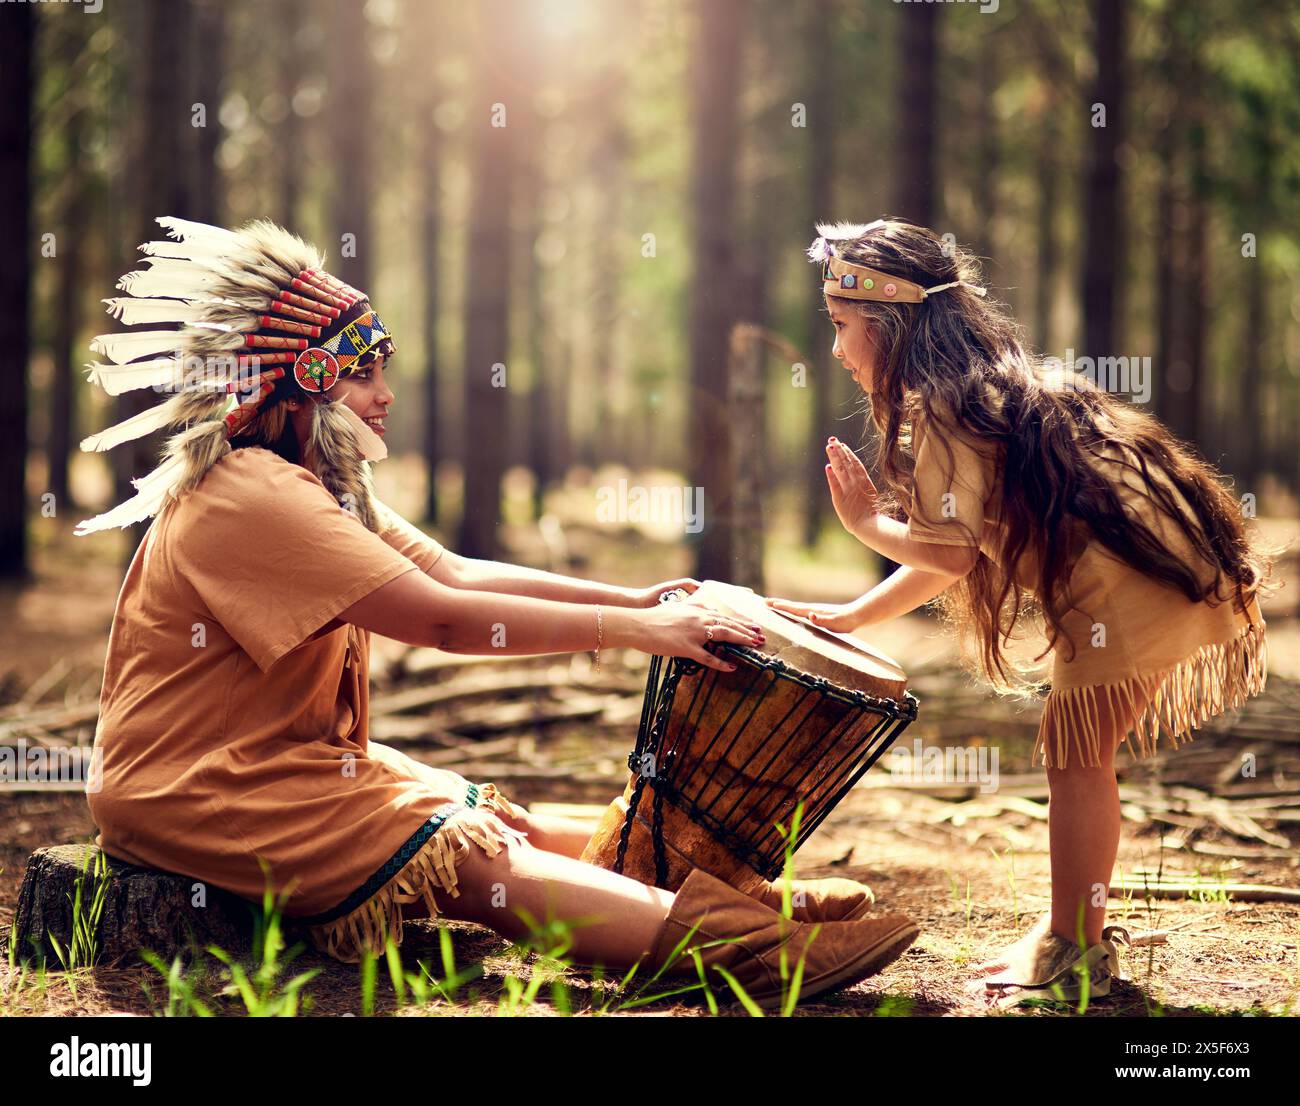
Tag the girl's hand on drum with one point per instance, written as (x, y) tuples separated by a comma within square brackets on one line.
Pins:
[(685, 629), (649, 597), (843, 618), (852, 492)]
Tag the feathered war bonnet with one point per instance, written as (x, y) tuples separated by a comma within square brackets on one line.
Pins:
[(258, 316)]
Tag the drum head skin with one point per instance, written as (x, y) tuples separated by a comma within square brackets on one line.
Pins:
[(844, 660)]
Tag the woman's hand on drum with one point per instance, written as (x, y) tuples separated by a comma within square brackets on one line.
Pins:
[(685, 629), (843, 618), (649, 597), (852, 492)]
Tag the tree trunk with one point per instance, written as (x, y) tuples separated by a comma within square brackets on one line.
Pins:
[(1248, 441), (987, 155), (541, 406), (748, 443), (430, 246), (487, 306), (19, 23), (819, 82), (1197, 291), (142, 909), (716, 82), (209, 68), (289, 20), (352, 123), (916, 185), (1103, 265), (1166, 278), (915, 104), (73, 233), (1249, 426), (160, 185), (607, 167), (1048, 193)]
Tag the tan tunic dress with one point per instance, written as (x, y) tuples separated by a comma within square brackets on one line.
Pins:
[(1157, 659), (233, 720)]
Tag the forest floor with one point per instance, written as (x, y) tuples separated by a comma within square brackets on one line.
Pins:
[(971, 868)]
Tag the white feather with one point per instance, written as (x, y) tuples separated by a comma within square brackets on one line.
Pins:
[(165, 247), (199, 247), (189, 230), (137, 426), (183, 269), (121, 348), (838, 232), (151, 493), (116, 379), (132, 310), (145, 282)]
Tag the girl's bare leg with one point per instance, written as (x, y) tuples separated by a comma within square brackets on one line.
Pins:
[(615, 921), (1083, 822), (1083, 828)]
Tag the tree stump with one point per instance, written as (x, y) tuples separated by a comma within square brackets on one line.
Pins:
[(143, 909)]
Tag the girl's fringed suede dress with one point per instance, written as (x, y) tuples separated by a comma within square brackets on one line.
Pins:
[(1140, 646), (233, 720)]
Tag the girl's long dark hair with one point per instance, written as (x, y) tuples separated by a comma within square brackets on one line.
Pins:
[(957, 362)]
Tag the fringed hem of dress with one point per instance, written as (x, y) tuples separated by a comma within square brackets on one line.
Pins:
[(1216, 678), (425, 863)]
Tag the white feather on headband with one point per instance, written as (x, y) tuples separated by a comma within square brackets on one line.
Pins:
[(822, 251), (839, 232)]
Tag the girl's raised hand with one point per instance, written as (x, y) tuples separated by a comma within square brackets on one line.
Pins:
[(852, 492), (843, 618)]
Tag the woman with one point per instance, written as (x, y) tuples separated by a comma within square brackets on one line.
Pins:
[(1021, 486), (233, 720)]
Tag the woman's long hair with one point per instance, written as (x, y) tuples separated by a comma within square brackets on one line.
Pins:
[(956, 362)]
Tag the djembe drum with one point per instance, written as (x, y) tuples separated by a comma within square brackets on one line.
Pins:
[(724, 759)]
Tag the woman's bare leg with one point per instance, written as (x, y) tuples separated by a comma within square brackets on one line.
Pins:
[(551, 833), (615, 921), (565, 836)]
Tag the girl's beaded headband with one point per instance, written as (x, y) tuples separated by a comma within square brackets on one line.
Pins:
[(858, 282)]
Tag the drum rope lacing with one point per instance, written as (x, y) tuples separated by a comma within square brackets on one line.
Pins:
[(652, 765)]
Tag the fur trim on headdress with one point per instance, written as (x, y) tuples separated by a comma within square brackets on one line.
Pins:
[(333, 451)]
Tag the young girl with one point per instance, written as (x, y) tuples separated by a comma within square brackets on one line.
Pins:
[(233, 722), (1024, 486)]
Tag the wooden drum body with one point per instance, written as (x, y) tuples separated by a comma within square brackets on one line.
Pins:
[(723, 759)]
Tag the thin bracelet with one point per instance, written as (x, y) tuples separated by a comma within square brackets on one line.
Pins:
[(600, 635)]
